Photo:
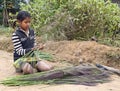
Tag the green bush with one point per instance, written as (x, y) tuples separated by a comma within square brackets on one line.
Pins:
[(74, 19)]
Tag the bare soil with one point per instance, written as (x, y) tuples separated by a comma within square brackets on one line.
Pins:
[(77, 52)]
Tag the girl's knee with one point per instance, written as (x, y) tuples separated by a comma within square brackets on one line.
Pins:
[(42, 66), (27, 69)]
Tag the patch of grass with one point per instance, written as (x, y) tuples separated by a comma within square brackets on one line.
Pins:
[(110, 42), (114, 55), (5, 39), (6, 45), (7, 31)]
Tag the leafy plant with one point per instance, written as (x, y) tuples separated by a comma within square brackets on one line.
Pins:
[(74, 19)]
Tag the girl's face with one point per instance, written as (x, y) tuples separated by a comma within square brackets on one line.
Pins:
[(25, 23)]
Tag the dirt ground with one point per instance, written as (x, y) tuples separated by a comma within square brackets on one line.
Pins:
[(71, 51), (77, 52)]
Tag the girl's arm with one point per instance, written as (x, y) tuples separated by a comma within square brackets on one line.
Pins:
[(18, 45)]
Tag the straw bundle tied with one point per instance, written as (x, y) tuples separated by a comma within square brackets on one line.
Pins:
[(86, 74)]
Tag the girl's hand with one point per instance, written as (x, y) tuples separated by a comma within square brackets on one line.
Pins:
[(39, 47)]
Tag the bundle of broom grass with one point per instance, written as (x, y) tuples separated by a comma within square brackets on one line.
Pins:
[(33, 56), (81, 74)]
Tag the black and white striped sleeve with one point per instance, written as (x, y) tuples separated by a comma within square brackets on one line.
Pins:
[(18, 46)]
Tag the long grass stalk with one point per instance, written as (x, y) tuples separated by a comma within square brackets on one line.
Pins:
[(70, 75)]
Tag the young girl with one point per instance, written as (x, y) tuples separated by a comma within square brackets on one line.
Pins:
[(24, 41)]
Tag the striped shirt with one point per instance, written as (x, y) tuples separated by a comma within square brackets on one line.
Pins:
[(23, 42)]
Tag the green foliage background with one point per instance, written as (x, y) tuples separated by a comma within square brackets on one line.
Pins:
[(74, 19)]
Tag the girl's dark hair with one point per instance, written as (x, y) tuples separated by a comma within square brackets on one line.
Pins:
[(22, 15)]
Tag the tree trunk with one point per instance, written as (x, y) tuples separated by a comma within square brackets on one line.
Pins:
[(5, 17)]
